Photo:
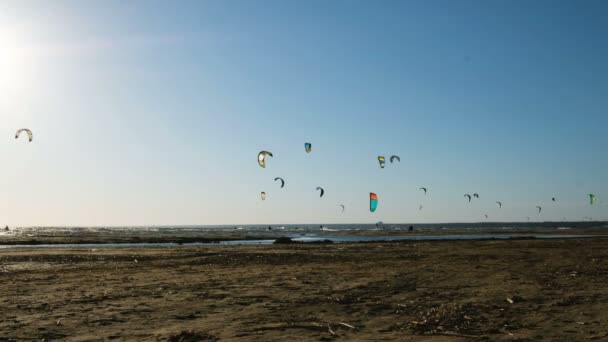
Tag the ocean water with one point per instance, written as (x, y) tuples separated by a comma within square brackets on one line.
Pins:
[(282, 229), (265, 234), (312, 238)]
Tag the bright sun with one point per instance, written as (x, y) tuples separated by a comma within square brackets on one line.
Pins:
[(13, 62), (16, 71)]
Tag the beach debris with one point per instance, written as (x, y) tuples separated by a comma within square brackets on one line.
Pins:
[(263, 195), (423, 189), (381, 161), (331, 331), (373, 202), (451, 333), (59, 323), (135, 261), (393, 158), (468, 196), (308, 147), (499, 204), (262, 158), (322, 192), (510, 301), (30, 135), (347, 325), (282, 181), (465, 319)]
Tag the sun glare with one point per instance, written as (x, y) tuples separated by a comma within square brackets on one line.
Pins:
[(16, 71), (15, 64)]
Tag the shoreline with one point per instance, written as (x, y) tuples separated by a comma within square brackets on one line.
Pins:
[(211, 237)]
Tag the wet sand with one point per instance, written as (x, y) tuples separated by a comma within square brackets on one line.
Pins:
[(409, 291)]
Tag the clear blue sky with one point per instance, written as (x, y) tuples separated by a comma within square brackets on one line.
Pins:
[(153, 112)]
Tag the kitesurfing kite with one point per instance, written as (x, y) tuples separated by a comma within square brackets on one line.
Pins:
[(308, 147), (476, 195), (322, 191), (393, 158), (499, 204), (282, 181), (468, 196), (539, 208), (373, 202), (263, 195), (381, 161), (29, 134), (423, 189), (592, 199), (262, 157), (343, 207)]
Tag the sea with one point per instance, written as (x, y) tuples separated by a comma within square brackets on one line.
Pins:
[(263, 234)]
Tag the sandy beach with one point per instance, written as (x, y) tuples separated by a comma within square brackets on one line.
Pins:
[(424, 291)]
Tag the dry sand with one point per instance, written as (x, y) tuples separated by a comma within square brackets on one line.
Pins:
[(423, 291)]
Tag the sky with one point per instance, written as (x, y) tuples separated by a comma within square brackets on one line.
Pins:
[(153, 112)]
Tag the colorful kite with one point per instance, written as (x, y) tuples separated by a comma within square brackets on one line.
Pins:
[(373, 202)]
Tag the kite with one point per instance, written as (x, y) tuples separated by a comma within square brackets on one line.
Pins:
[(262, 158), (282, 181), (322, 191), (308, 147), (29, 134), (381, 161), (373, 202), (592, 199)]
